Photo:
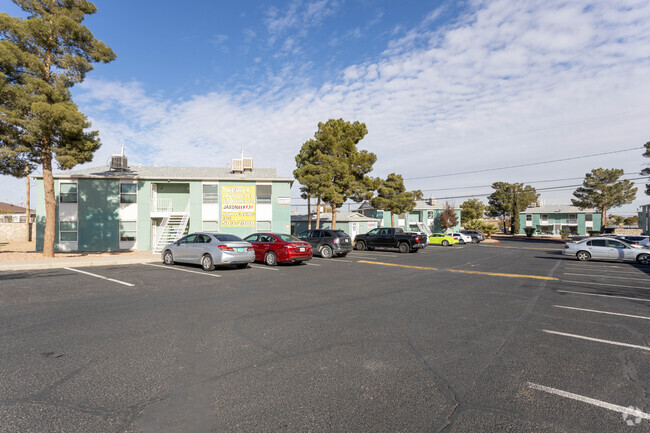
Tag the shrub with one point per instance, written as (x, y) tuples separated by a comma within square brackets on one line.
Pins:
[(530, 231), (593, 233), (564, 234)]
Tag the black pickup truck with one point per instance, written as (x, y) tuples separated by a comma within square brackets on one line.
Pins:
[(390, 237)]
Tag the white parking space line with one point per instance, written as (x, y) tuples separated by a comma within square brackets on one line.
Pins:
[(603, 312), (617, 271), (634, 413), (318, 259), (100, 277), (598, 340), (207, 274), (604, 296), (313, 264), (265, 268), (608, 276), (606, 284)]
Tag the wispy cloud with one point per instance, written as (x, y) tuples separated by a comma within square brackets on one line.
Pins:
[(507, 82)]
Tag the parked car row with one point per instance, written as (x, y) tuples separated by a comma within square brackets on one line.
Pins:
[(606, 247), (215, 249)]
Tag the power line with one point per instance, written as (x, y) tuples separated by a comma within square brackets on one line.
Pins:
[(525, 181), (528, 164), (550, 188)]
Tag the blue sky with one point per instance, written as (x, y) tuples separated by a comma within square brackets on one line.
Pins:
[(444, 87)]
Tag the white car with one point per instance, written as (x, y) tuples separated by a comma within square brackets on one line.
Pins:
[(461, 238), (605, 248)]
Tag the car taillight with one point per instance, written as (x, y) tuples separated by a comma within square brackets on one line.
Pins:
[(251, 248), (225, 248), (566, 246), (417, 239)]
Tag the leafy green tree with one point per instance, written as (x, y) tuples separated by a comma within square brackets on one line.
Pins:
[(616, 220), (342, 166), (392, 196), (448, 217), (602, 190), (482, 225), (41, 58), (508, 199), (471, 209), (646, 171), (631, 221)]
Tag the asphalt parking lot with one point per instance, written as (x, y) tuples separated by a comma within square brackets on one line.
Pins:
[(491, 338)]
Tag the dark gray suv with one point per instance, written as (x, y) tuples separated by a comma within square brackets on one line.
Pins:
[(328, 243)]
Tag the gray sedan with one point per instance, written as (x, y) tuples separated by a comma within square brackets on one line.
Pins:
[(208, 250), (605, 248)]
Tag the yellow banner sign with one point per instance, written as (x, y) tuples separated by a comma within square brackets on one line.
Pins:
[(238, 206)]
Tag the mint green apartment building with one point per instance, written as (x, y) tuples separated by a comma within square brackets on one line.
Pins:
[(425, 217), (145, 208), (550, 220)]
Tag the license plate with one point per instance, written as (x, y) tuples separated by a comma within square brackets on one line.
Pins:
[(241, 250), (302, 249)]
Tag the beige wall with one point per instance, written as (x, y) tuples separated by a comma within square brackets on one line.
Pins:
[(15, 232)]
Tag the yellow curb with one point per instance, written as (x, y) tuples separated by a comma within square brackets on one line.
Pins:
[(492, 274)]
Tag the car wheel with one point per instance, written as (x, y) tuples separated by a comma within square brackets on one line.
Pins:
[(583, 256), (643, 258), (271, 259), (445, 243), (168, 258), (206, 262), (404, 247), (326, 252), (475, 240), (361, 245)]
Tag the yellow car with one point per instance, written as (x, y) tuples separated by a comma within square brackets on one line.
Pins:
[(441, 239)]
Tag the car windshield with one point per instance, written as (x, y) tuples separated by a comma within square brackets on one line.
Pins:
[(227, 238), (288, 238)]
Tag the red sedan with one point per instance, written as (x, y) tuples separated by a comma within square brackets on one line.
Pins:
[(274, 248)]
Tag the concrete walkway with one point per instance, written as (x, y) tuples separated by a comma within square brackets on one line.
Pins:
[(12, 260)]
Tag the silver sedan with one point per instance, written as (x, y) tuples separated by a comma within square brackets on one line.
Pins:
[(208, 250), (605, 248)]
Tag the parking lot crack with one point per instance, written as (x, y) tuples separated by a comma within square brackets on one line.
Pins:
[(441, 383)]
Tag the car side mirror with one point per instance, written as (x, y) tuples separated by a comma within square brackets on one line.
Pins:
[(178, 243)]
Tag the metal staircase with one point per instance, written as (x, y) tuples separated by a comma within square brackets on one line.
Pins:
[(172, 228)]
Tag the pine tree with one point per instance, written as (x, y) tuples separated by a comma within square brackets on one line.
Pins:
[(393, 197), (602, 190), (41, 58), (332, 166), (646, 171)]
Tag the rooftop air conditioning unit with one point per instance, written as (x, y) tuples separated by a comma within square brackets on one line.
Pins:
[(237, 165), (248, 164), (119, 162)]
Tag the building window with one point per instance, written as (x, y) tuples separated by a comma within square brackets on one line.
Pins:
[(128, 230), (67, 192), (430, 214), (544, 219), (68, 231), (210, 193), (263, 194), (128, 193), (529, 217), (589, 217)]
